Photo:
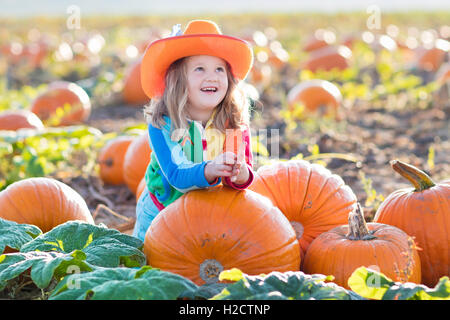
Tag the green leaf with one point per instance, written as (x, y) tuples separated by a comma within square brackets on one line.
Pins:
[(123, 284), (15, 235), (103, 247), (369, 283), (283, 286), (44, 266), (374, 285), (206, 291)]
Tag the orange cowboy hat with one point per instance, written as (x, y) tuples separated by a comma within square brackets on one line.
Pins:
[(201, 37)]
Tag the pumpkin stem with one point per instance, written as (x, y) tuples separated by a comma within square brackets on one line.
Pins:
[(357, 227), (420, 180), (210, 270)]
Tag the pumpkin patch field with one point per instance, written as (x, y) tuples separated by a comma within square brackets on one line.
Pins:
[(350, 134)]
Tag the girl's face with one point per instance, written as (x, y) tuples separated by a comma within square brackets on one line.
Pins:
[(207, 84)]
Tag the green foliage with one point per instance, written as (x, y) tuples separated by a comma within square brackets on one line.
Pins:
[(373, 199), (13, 99), (145, 283), (372, 284), (51, 152), (15, 235), (44, 266), (281, 286), (103, 247)]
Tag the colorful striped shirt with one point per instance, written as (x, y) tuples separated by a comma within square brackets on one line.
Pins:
[(177, 167)]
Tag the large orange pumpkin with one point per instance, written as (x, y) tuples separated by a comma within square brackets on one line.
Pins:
[(19, 119), (312, 198), (59, 95), (111, 158), (423, 212), (43, 202), (316, 95), (136, 161), (328, 58), (132, 93), (210, 230), (343, 249)]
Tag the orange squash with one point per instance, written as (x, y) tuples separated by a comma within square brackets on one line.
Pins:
[(111, 158), (141, 188), (19, 119), (320, 39), (43, 202), (329, 58), (210, 230), (59, 95), (132, 92), (312, 198), (343, 249), (136, 161), (316, 95), (423, 212), (430, 59), (260, 74)]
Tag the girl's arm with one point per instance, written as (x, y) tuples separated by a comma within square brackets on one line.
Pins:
[(183, 174), (246, 139)]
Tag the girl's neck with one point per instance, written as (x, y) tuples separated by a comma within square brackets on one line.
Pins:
[(201, 116)]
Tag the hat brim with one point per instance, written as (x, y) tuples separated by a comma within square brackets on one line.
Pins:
[(160, 54)]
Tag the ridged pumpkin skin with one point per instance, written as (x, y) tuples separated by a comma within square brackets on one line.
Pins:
[(221, 228), (132, 93), (111, 158), (426, 216), (136, 161), (312, 198), (331, 253), (19, 119), (56, 96), (43, 202)]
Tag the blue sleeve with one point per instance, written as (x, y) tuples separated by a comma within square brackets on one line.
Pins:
[(183, 174)]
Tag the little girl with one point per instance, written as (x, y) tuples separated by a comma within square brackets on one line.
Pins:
[(197, 111)]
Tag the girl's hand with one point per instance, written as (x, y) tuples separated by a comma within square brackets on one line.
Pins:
[(240, 172), (221, 166)]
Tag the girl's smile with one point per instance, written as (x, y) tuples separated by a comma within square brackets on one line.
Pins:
[(207, 84)]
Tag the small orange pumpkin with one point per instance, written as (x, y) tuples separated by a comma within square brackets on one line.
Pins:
[(19, 119), (430, 59), (58, 95), (316, 95), (422, 212), (136, 161), (343, 249), (43, 202), (206, 231), (329, 58), (111, 158), (141, 188), (320, 39), (312, 198), (260, 74), (132, 93)]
